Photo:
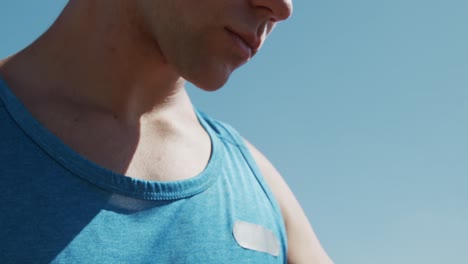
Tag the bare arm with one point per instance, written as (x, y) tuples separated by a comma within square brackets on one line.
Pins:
[(303, 245)]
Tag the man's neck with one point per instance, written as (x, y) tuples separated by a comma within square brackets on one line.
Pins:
[(98, 57)]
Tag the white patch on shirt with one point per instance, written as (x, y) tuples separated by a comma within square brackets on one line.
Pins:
[(256, 237)]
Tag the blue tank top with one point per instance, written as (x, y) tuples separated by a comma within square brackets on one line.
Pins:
[(58, 207)]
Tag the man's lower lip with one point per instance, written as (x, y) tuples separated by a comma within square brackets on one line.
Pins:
[(241, 44)]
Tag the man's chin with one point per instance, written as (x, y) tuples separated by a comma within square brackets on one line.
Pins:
[(211, 84)]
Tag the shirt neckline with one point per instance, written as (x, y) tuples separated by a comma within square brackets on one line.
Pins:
[(105, 178)]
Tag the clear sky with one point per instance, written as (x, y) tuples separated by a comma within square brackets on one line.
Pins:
[(362, 106)]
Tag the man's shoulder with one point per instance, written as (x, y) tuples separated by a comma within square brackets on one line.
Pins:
[(303, 245)]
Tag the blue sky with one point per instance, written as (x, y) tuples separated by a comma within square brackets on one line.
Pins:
[(362, 106)]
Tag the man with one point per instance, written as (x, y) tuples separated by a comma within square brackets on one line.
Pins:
[(105, 160)]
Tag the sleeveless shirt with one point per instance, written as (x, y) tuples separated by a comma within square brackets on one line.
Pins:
[(59, 207)]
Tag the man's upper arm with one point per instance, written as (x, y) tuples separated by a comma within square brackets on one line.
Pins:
[(303, 245)]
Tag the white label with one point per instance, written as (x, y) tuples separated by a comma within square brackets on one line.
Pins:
[(256, 237)]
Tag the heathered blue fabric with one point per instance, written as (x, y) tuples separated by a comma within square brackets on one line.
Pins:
[(58, 207)]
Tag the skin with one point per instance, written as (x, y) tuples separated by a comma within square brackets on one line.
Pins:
[(118, 68)]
